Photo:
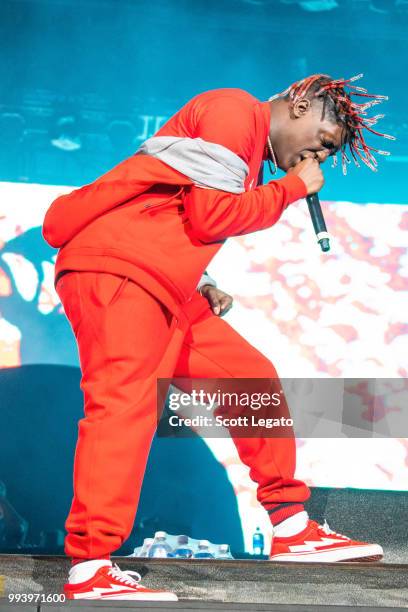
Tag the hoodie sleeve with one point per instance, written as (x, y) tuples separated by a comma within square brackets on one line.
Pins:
[(215, 215)]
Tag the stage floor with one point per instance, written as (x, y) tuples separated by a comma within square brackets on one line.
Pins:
[(226, 585), (183, 606)]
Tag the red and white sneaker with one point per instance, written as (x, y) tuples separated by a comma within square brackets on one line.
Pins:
[(111, 583), (320, 544)]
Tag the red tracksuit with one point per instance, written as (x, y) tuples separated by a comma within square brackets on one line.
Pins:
[(137, 241)]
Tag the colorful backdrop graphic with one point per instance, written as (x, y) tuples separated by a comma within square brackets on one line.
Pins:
[(341, 314)]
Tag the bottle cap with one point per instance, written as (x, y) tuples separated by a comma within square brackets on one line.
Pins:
[(203, 543), (182, 539), (160, 534)]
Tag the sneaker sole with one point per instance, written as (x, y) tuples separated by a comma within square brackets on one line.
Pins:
[(372, 552)]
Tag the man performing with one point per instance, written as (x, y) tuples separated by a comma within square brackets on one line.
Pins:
[(133, 247)]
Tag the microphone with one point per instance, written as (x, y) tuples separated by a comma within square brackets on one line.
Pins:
[(319, 225)]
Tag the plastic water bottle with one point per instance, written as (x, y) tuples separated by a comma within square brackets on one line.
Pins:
[(258, 542), (224, 552), (144, 551), (183, 550), (203, 551), (160, 547)]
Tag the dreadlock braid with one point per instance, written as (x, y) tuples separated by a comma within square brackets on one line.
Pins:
[(339, 106)]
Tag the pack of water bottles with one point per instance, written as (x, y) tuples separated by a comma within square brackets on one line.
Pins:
[(164, 545)]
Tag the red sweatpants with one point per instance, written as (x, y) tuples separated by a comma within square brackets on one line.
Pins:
[(126, 340)]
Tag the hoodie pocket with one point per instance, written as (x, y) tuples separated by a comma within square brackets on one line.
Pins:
[(69, 292), (108, 288), (166, 202)]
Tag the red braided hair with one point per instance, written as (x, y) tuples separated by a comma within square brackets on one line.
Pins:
[(352, 115)]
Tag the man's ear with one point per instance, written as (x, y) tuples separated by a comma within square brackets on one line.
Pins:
[(301, 108)]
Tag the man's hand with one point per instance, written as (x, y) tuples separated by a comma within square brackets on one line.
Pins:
[(219, 301), (311, 174)]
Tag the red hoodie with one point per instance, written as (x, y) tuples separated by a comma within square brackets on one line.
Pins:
[(146, 221)]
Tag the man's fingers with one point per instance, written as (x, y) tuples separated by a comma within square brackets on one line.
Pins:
[(219, 301), (226, 301), (226, 304), (214, 301)]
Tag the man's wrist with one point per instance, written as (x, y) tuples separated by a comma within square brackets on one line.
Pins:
[(206, 279), (295, 187)]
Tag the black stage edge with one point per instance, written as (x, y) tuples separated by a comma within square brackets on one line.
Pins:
[(225, 585)]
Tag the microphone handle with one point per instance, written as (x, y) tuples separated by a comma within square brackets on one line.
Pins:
[(319, 224)]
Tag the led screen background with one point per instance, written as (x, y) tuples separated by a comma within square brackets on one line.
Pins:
[(112, 75), (341, 314)]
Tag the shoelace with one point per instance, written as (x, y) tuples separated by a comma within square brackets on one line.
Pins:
[(326, 529), (124, 576)]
